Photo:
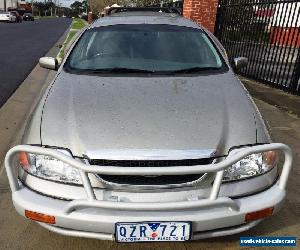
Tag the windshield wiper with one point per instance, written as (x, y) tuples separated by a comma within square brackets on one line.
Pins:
[(118, 70), (193, 70)]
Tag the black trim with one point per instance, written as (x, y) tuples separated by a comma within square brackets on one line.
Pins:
[(54, 147), (114, 10), (56, 65), (247, 145), (148, 75), (152, 163), (159, 180)]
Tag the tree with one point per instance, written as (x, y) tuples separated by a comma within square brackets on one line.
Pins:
[(76, 7), (85, 6), (49, 6), (98, 6), (39, 6), (147, 3)]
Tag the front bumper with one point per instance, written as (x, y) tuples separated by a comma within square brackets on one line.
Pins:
[(94, 218), (221, 218)]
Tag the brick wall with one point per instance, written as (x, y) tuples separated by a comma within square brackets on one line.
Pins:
[(201, 11)]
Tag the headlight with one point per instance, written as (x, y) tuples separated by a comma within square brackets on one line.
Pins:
[(49, 168), (252, 165)]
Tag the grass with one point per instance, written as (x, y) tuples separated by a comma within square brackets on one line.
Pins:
[(70, 37), (77, 25)]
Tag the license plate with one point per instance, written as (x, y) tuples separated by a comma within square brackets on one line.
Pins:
[(153, 231)]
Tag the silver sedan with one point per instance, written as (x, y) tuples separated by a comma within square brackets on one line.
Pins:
[(146, 134)]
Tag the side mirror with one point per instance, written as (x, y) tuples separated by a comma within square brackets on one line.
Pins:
[(239, 63), (48, 63)]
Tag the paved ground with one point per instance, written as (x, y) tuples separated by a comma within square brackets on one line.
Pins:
[(275, 97), (21, 45)]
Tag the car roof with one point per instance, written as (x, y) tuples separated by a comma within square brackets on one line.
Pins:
[(144, 17)]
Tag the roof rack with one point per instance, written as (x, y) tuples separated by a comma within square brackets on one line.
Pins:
[(114, 10)]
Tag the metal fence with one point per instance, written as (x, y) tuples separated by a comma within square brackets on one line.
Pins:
[(268, 33)]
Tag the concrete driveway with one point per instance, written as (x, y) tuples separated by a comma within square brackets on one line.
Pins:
[(19, 233)]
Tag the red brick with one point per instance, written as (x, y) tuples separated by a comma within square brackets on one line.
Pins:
[(202, 12)]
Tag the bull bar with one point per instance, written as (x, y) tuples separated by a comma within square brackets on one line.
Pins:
[(91, 201)]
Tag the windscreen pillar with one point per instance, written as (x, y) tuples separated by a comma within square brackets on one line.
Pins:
[(202, 12)]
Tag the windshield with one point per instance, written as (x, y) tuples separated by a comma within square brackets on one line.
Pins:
[(144, 48)]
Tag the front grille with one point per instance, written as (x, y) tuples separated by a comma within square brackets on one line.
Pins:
[(151, 163), (150, 180)]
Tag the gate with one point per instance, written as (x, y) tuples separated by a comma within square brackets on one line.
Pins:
[(267, 32)]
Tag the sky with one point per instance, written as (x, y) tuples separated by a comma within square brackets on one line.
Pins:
[(67, 3)]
